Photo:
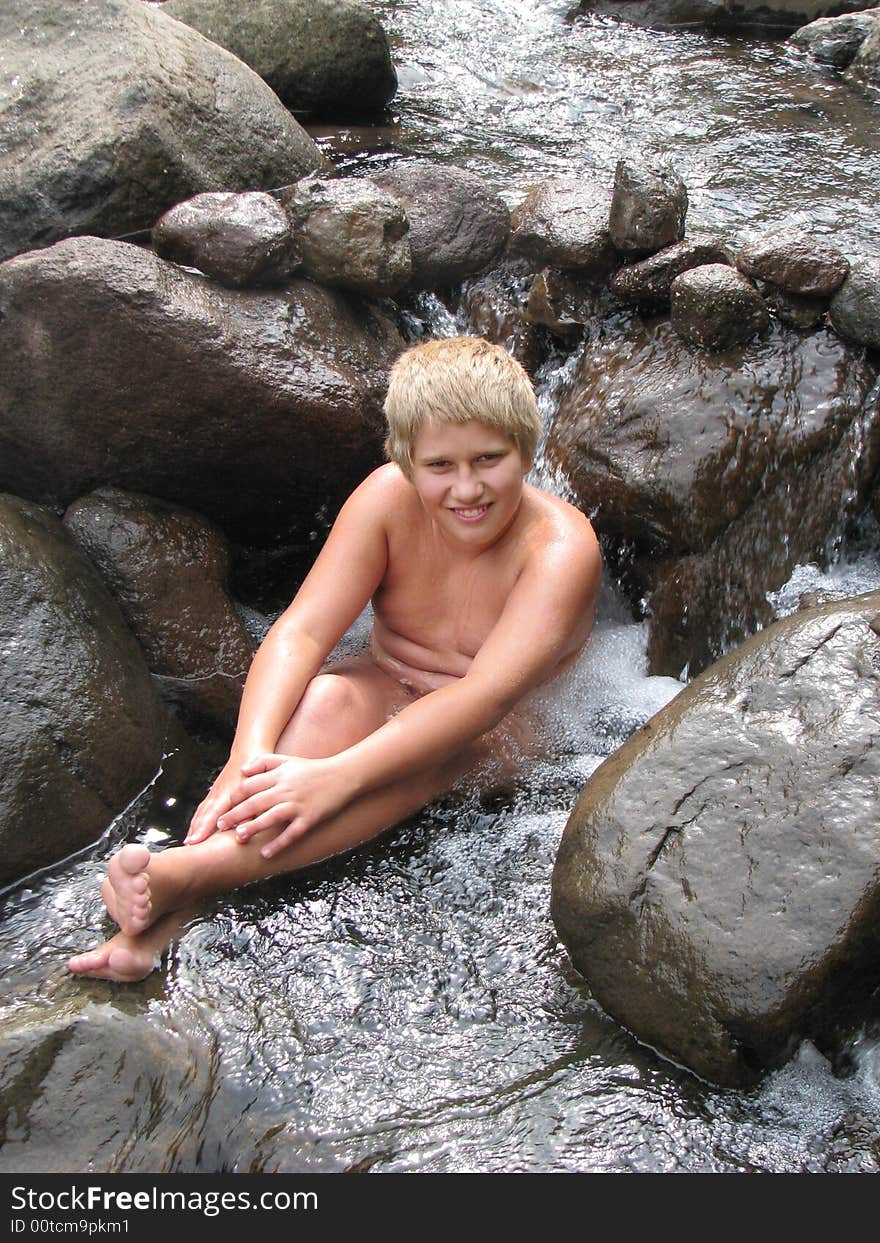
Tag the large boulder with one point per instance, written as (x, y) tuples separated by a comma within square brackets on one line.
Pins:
[(82, 728), (326, 57), (795, 261), (714, 307), (257, 409), (168, 568), (241, 240), (835, 40), (457, 223), (864, 68), (718, 882), (351, 234), (776, 15), (855, 308), (565, 223), (715, 474), (111, 113)]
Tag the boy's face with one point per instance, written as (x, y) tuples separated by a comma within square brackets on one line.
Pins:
[(469, 478)]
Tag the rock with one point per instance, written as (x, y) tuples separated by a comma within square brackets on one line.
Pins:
[(793, 309), (714, 474), (717, 881), (258, 409), (794, 261), (715, 308), (241, 240), (82, 727), (864, 68), (835, 40), (776, 15), (855, 308), (124, 113), (351, 234), (326, 57), (494, 306), (168, 570), (564, 223), (457, 224), (648, 207), (558, 301), (647, 283)]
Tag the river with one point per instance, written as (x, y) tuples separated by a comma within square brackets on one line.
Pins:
[(410, 1009)]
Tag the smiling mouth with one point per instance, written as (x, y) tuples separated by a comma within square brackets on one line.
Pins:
[(470, 515)]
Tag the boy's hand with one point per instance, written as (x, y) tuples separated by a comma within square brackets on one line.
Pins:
[(286, 792)]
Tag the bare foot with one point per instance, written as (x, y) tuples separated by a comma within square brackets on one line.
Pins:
[(126, 891), (125, 959)]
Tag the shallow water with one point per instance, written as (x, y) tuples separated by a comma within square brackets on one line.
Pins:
[(410, 1008)]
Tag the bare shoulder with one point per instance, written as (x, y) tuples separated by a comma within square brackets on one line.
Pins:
[(561, 539), (383, 493)]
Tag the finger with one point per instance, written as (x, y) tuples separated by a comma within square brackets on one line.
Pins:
[(285, 838), (247, 809), (262, 763), (275, 817)]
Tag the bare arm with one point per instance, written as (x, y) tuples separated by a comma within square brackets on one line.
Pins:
[(553, 599), (342, 580)]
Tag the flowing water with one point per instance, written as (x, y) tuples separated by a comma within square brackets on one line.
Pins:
[(410, 1008)]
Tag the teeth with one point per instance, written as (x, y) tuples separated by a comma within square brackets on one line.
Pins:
[(472, 513)]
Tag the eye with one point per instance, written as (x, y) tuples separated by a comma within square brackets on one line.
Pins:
[(490, 457), (439, 464)]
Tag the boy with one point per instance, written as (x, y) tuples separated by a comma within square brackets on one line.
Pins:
[(483, 588)]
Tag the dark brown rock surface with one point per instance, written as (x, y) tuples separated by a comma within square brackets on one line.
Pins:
[(82, 729), (648, 282), (564, 223), (714, 308), (795, 261), (648, 207), (718, 882)]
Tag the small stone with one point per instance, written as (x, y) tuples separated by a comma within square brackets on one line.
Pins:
[(648, 207), (563, 223), (647, 282), (241, 240), (855, 308), (715, 308), (795, 261)]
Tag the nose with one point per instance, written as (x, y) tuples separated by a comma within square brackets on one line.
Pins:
[(468, 486)]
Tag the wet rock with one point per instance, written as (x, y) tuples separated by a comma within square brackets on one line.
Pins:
[(124, 113), (717, 472), (647, 283), (795, 261), (648, 207), (864, 68), (457, 224), (82, 728), (168, 570), (777, 15), (351, 234), (793, 309), (258, 409), (835, 40), (241, 240), (326, 57), (560, 302), (564, 223), (855, 308), (716, 883), (494, 306), (715, 308)]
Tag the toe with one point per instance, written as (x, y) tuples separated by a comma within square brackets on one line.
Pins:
[(133, 858)]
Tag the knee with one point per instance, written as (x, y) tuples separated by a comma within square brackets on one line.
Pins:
[(329, 701)]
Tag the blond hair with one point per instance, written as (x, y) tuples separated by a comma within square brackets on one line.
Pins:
[(455, 380)]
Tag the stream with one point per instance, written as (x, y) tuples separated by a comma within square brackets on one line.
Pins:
[(409, 1008)]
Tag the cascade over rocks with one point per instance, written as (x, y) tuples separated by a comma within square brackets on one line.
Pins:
[(719, 472), (855, 308), (326, 57), (494, 306), (168, 568), (835, 40), (241, 240), (717, 883), (795, 261), (82, 729), (112, 113), (457, 224), (648, 207), (716, 308), (647, 283), (782, 15), (351, 234), (564, 223), (255, 408)]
